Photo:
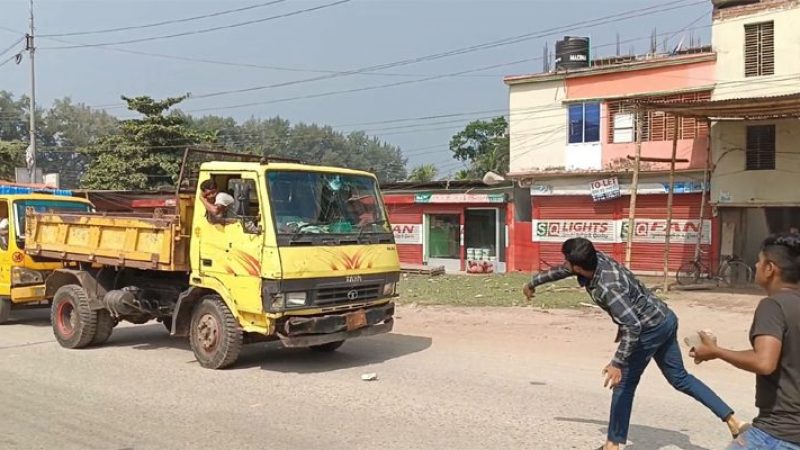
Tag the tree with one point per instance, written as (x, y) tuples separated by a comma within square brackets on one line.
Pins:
[(307, 142), (69, 127), (145, 153), (484, 145), (12, 155), (423, 173), (13, 117)]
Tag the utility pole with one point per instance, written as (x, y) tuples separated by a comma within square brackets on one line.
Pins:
[(30, 156), (634, 188)]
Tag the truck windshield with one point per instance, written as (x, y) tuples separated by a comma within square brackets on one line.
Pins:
[(44, 206), (316, 203)]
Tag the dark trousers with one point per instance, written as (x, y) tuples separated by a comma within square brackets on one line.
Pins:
[(659, 343)]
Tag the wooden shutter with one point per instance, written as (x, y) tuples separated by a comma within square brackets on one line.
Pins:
[(760, 152), (759, 49)]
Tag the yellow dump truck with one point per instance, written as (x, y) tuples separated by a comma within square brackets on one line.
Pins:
[(22, 277), (304, 255)]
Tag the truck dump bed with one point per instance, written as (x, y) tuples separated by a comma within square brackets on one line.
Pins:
[(143, 241)]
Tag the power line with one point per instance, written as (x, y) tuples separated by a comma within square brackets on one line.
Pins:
[(205, 30), (6, 61), (248, 65), (11, 47), (347, 91), (677, 4), (166, 22), (507, 41)]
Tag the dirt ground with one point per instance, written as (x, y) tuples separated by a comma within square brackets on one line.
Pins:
[(448, 377)]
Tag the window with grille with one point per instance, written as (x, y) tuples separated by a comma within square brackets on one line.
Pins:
[(760, 152), (759, 49), (656, 126)]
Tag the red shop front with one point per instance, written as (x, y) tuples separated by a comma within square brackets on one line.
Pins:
[(565, 208), (460, 225)]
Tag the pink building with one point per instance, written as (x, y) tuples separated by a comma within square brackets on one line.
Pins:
[(574, 130)]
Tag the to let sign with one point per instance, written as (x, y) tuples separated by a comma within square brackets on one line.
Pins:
[(606, 189), (407, 234)]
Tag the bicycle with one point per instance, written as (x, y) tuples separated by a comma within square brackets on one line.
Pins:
[(733, 271)]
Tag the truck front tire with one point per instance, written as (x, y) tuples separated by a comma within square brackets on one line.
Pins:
[(5, 309), (215, 335), (74, 322)]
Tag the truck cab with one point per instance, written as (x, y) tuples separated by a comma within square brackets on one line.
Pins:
[(22, 277), (307, 252)]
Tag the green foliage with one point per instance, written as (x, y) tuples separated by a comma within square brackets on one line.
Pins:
[(307, 142), (484, 145), (92, 149), (12, 154), (423, 173), (145, 153)]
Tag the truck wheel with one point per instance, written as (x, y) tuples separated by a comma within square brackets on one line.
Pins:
[(105, 326), (74, 322), (168, 325), (327, 348), (5, 309), (215, 336)]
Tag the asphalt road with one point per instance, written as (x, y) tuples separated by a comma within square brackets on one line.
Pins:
[(448, 378)]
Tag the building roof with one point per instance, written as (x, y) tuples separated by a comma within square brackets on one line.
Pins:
[(643, 63), (733, 9), (409, 186), (541, 175), (753, 108)]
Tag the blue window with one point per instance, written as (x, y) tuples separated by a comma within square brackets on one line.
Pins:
[(584, 123)]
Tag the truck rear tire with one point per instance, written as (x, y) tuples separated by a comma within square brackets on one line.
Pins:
[(74, 322), (105, 326), (327, 348), (5, 310), (215, 335)]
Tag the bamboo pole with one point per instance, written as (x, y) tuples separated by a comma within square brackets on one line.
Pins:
[(634, 187), (670, 196)]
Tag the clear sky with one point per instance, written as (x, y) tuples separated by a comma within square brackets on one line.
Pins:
[(338, 38)]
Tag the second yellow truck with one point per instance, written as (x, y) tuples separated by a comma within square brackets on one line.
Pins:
[(304, 255)]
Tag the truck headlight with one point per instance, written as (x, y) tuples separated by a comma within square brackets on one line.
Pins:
[(21, 276), (294, 299), (389, 289)]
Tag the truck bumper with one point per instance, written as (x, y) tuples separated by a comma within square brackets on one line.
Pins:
[(308, 331), (28, 294)]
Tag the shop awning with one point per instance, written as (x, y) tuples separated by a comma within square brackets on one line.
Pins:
[(753, 108)]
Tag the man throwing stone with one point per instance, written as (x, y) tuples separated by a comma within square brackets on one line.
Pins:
[(647, 330)]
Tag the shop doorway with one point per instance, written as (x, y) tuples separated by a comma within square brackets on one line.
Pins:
[(443, 241), (482, 240)]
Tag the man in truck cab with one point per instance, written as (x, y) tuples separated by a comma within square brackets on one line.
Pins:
[(4, 234), (218, 204)]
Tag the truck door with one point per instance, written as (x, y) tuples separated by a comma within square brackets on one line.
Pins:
[(231, 249), (5, 251)]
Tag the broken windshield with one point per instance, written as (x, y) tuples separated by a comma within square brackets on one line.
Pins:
[(318, 203)]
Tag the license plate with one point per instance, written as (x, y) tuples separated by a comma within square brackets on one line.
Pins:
[(356, 320)]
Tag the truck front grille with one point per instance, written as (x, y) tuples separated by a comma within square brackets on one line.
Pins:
[(347, 294)]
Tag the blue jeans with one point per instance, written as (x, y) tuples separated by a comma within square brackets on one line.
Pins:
[(755, 439), (659, 343)]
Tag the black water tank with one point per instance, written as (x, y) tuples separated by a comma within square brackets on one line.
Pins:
[(572, 53)]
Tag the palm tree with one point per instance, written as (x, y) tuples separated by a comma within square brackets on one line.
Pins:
[(423, 173)]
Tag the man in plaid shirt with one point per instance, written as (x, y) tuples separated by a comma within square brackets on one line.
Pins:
[(648, 329)]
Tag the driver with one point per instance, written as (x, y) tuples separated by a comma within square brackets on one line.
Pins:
[(218, 204), (4, 234)]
